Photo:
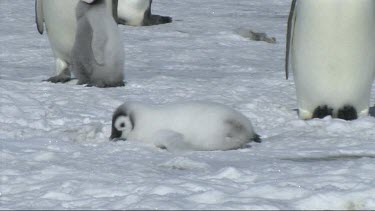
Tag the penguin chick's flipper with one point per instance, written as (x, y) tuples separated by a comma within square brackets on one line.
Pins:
[(171, 141), (98, 44)]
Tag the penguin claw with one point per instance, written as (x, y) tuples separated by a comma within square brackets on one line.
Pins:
[(58, 79), (165, 19), (257, 138), (322, 111), (103, 85), (347, 113), (157, 19)]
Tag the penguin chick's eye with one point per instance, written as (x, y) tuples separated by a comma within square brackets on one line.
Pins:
[(120, 123)]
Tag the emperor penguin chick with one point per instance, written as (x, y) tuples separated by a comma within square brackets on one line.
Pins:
[(183, 126), (98, 53)]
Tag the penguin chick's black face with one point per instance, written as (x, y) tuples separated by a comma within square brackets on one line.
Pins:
[(116, 133), (122, 125)]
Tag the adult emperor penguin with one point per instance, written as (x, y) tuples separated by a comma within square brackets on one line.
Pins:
[(61, 24), (98, 52), (331, 49), (138, 13), (193, 125)]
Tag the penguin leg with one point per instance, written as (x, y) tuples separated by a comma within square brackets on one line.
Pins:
[(370, 111), (322, 111), (257, 138), (104, 84), (150, 19), (86, 82), (62, 72), (114, 84), (347, 112), (304, 114), (80, 72), (158, 19)]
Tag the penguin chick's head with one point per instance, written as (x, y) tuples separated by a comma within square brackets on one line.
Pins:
[(122, 124)]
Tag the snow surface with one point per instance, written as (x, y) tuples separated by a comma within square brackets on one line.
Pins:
[(55, 152)]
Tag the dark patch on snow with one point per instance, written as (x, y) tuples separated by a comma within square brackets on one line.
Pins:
[(256, 36)]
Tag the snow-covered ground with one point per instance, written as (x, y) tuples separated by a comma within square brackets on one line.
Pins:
[(55, 152)]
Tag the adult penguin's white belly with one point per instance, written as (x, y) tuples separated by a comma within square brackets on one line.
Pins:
[(333, 57), (60, 21)]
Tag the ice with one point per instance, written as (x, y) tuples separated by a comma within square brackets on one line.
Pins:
[(54, 148)]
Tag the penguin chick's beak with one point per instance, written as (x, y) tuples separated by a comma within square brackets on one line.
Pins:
[(115, 135)]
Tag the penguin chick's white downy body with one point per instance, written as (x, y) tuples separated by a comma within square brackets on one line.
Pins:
[(196, 125), (138, 13), (98, 53), (331, 49), (61, 30)]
